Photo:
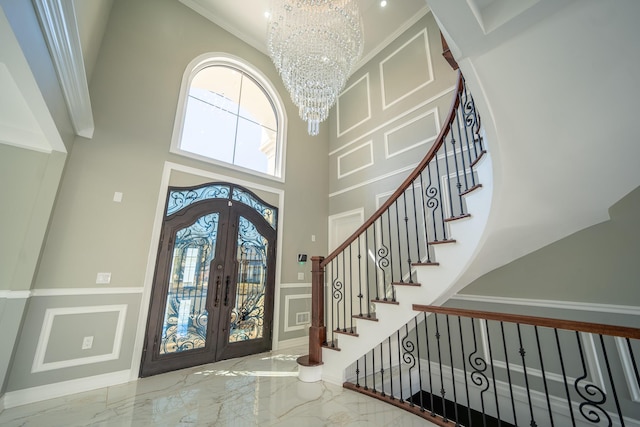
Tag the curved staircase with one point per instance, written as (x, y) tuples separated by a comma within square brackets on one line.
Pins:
[(412, 250)]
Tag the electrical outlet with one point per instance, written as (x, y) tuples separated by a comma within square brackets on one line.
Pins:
[(87, 343), (300, 276), (103, 278)]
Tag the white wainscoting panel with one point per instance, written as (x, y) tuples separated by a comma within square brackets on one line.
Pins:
[(40, 365)]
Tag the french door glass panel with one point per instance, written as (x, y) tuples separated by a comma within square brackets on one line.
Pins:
[(186, 316), (247, 316)]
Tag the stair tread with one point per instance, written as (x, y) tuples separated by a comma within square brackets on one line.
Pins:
[(475, 187), (417, 264), (387, 301), (455, 218), (331, 345), (441, 242), (406, 284), (348, 331), (370, 316)]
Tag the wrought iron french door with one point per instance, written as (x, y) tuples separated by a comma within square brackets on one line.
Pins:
[(214, 282)]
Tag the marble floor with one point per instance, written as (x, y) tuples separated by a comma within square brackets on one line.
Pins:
[(262, 390)]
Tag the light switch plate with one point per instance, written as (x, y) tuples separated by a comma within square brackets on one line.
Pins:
[(300, 276)]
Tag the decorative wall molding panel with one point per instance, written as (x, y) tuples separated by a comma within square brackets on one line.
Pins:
[(51, 292), (50, 315), (393, 119), (357, 94), (396, 84), (355, 160), (376, 179), (287, 309), (15, 294), (411, 134)]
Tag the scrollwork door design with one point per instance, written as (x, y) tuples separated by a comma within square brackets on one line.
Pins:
[(214, 280)]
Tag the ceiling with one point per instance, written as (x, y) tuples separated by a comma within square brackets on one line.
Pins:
[(246, 20)]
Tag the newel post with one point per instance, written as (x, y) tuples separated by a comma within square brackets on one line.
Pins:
[(317, 330)]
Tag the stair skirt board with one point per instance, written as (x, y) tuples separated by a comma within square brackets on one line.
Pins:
[(412, 384)]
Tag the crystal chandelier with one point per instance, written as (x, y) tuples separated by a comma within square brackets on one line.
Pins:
[(314, 44)]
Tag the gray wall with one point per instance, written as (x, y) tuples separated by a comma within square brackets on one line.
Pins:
[(596, 265), (30, 183), (134, 92), (388, 117)]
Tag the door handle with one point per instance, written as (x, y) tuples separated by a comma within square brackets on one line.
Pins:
[(215, 303), (226, 292)]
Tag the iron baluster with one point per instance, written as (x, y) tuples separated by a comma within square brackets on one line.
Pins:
[(455, 164), (477, 376), (442, 391), (438, 192), (383, 254), (373, 369), (399, 247), (366, 271), (506, 359), (351, 289), (390, 369), (461, 104), (392, 275), (382, 369), (415, 328), (360, 296), (342, 326), (526, 378), (424, 220), (415, 218), (358, 373), (613, 385), (409, 359), (426, 337), (591, 400), (463, 167), (564, 376), (464, 370), (366, 373), (493, 372), (334, 279), (375, 261), (448, 173), (453, 374), (544, 377), (406, 230), (400, 398)]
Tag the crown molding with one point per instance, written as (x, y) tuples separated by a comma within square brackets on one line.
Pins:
[(60, 28)]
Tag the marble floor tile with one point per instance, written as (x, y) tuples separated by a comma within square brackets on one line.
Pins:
[(258, 390)]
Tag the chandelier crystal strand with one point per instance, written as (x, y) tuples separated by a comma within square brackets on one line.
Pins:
[(314, 45)]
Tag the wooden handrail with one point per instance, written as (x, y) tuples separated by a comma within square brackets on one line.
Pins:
[(407, 182), (595, 328)]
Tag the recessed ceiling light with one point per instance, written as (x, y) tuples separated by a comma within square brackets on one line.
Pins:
[(267, 14), (383, 3)]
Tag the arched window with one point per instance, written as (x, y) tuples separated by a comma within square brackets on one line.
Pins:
[(229, 114)]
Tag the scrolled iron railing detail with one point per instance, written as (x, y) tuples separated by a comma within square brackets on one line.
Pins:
[(487, 387), (384, 252)]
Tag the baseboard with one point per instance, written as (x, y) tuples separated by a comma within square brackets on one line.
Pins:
[(293, 342), (12, 399)]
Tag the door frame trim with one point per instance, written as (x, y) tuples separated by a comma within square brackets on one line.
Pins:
[(168, 169)]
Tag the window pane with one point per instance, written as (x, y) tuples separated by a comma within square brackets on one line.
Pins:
[(248, 152), (208, 130), (255, 105), (230, 117), (223, 84)]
